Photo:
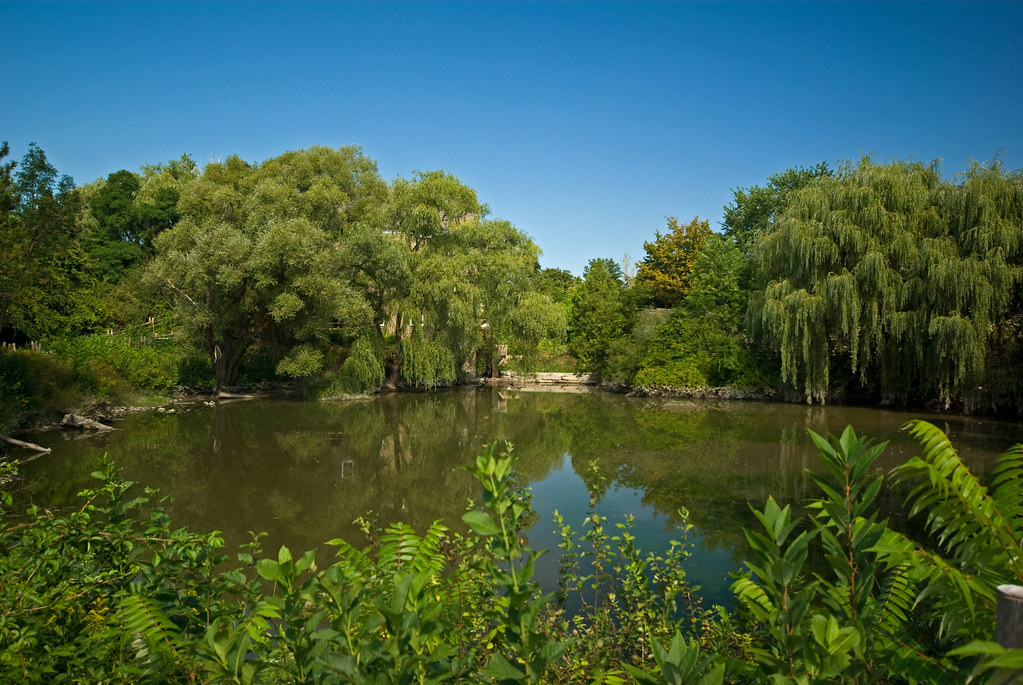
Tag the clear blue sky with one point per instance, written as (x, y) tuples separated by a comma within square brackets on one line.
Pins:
[(584, 124)]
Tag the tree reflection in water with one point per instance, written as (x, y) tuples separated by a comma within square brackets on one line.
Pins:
[(304, 471)]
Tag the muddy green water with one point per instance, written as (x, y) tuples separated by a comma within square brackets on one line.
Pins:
[(303, 471)]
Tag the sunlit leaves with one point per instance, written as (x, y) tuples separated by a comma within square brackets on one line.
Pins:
[(254, 259), (668, 265), (900, 277)]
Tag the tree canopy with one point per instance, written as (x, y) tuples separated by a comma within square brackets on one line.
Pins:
[(668, 266), (599, 315), (312, 249), (754, 210), (45, 280), (891, 273), (248, 266)]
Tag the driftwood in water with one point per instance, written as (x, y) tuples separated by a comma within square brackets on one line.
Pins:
[(76, 421), (234, 396), (26, 445)]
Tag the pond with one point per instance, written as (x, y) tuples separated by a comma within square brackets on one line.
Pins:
[(304, 471)]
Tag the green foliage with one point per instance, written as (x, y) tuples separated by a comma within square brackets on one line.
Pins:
[(600, 314), (668, 266), (522, 652), (680, 664), (889, 606), (113, 366), (908, 281), (248, 265), (703, 343), (37, 384), (362, 370), (623, 602), (754, 210), (311, 247), (46, 287), (71, 579), (110, 591), (17, 387), (556, 283), (426, 362)]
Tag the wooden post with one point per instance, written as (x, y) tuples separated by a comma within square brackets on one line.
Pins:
[(1009, 617)]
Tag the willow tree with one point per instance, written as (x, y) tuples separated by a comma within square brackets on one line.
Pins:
[(254, 259), (900, 278), (445, 281)]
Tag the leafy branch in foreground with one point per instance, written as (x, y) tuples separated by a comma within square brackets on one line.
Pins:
[(886, 606)]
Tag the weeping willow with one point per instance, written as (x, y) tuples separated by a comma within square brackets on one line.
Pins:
[(909, 282), (426, 362)]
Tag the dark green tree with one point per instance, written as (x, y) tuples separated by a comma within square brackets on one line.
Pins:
[(115, 244), (754, 210), (599, 315), (45, 284), (556, 283)]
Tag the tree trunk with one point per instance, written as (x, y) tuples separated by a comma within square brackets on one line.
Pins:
[(225, 356), (396, 356)]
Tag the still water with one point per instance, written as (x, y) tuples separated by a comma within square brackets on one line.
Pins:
[(303, 471)]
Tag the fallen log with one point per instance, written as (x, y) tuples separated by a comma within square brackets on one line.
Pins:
[(26, 445), (222, 395), (76, 421)]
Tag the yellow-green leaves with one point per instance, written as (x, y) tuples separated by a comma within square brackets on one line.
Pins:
[(668, 266)]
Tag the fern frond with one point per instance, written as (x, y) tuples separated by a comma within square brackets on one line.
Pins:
[(398, 546), (354, 561), (428, 558), (960, 512), (896, 597), (964, 600), (754, 598), (911, 663), (1007, 489), (141, 616)]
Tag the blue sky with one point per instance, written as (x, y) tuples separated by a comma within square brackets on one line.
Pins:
[(584, 124)]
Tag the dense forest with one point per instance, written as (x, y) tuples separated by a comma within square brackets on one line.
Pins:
[(880, 283)]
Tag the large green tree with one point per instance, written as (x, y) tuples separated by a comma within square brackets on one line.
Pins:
[(905, 282), (668, 266), (599, 315), (446, 283), (254, 259), (45, 281)]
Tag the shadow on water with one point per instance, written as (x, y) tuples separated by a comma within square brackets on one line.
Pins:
[(304, 471)]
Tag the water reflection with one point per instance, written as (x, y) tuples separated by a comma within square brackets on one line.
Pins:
[(303, 471)]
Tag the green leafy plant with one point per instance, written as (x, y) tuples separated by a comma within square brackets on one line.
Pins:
[(887, 605), (616, 602), (523, 652)]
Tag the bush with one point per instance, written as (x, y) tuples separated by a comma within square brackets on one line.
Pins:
[(111, 366), (33, 383)]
